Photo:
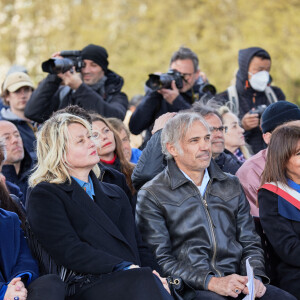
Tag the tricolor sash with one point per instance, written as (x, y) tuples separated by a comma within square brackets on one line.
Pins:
[(288, 199)]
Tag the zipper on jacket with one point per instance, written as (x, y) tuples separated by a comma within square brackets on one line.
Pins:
[(211, 228)]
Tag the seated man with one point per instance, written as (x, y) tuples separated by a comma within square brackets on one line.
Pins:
[(226, 162), (196, 219), (250, 172), (18, 162)]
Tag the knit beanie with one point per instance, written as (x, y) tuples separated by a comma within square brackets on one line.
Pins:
[(97, 54), (278, 113)]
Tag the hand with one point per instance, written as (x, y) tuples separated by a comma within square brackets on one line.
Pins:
[(203, 76), (133, 267), (163, 281), (161, 121), (170, 95), (227, 286), (16, 288), (250, 121), (56, 55), (260, 289), (72, 79)]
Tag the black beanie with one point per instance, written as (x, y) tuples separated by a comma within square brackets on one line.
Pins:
[(97, 54), (278, 113)]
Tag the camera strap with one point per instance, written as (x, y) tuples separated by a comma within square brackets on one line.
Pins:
[(234, 98)]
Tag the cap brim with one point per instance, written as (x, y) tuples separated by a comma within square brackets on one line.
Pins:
[(14, 87)]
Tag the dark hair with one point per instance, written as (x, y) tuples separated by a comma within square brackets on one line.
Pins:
[(6, 201), (118, 125), (186, 53), (126, 166), (283, 145), (263, 54), (76, 111)]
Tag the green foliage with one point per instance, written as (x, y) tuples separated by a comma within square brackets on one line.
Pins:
[(141, 36)]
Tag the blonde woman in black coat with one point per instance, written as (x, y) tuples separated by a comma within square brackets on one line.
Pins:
[(86, 226)]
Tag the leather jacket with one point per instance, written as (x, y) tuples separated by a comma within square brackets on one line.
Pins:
[(195, 237)]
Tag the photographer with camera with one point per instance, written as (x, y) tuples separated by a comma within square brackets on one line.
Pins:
[(170, 92), (252, 93), (95, 88)]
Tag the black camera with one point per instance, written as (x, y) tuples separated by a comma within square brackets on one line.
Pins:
[(71, 58), (164, 81), (258, 110), (204, 87)]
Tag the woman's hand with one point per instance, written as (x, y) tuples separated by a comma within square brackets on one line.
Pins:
[(16, 288), (163, 281)]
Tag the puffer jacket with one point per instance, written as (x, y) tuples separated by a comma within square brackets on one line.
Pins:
[(194, 237)]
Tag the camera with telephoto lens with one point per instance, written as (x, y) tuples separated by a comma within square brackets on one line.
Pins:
[(164, 81), (258, 110), (204, 87), (71, 58)]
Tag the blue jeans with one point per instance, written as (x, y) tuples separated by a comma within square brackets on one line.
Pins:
[(272, 293)]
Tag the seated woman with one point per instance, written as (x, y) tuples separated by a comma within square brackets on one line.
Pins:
[(110, 152), (234, 136), (85, 225), (131, 154), (279, 204), (18, 269)]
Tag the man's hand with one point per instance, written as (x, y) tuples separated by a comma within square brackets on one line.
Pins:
[(163, 281), (250, 121), (231, 285), (161, 121), (170, 95), (16, 288), (260, 289), (72, 79)]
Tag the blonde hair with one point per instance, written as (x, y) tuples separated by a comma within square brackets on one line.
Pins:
[(245, 149), (52, 141)]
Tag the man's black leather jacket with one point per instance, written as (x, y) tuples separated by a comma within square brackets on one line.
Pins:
[(194, 237)]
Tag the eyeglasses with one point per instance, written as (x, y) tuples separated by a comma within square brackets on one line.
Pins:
[(220, 129)]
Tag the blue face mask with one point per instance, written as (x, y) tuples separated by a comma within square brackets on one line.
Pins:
[(259, 80)]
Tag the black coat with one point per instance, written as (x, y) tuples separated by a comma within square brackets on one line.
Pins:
[(284, 236), (154, 105), (86, 236), (46, 98)]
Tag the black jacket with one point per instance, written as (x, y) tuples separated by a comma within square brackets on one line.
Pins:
[(46, 98), (145, 171), (249, 98), (154, 105), (284, 236), (194, 237), (228, 163), (21, 179)]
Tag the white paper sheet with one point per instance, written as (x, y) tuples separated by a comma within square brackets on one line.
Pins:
[(250, 283)]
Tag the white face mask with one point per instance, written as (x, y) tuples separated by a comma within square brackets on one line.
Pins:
[(259, 80)]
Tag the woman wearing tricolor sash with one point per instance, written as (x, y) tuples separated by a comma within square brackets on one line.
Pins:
[(279, 204)]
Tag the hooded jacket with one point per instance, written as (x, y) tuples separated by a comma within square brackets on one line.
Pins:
[(47, 98), (248, 97)]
